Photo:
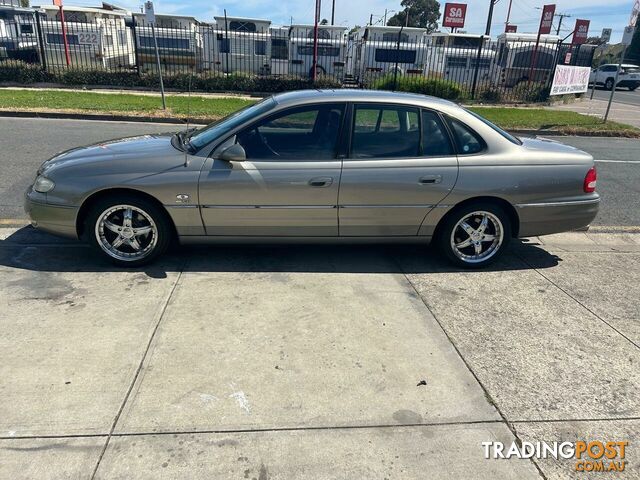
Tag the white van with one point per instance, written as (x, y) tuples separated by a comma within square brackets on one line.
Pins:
[(96, 38), (453, 56), (18, 34), (332, 48), (237, 44), (381, 50), (516, 54)]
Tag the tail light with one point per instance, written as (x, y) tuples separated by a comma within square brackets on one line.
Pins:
[(590, 180)]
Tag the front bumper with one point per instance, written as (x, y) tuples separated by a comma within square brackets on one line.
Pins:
[(56, 219), (556, 217)]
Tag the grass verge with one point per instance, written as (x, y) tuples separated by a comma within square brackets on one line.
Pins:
[(212, 108)]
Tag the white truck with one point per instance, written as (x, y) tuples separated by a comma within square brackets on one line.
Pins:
[(332, 48), (383, 50)]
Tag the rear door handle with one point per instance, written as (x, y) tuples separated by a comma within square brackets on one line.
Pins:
[(430, 179), (321, 181)]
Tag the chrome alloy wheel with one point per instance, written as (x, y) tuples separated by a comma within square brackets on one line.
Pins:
[(126, 233), (477, 237)]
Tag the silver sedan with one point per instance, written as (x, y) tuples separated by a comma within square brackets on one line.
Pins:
[(319, 166)]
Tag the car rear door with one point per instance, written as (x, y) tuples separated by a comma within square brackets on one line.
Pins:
[(287, 186), (400, 165)]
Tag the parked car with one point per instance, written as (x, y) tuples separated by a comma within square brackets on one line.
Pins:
[(319, 166), (628, 77)]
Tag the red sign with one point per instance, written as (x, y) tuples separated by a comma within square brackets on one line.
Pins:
[(547, 19), (511, 29), (454, 14), (57, 3), (580, 32)]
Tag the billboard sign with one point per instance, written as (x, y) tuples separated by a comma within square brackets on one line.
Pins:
[(454, 15), (570, 79), (548, 11), (580, 32), (511, 29)]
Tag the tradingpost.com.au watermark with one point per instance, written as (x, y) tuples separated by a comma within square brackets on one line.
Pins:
[(589, 456)]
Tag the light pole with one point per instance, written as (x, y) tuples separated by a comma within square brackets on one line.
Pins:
[(487, 32)]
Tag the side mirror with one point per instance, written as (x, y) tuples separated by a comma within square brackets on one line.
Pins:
[(233, 153)]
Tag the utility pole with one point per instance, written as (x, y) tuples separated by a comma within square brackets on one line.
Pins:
[(333, 11), (314, 74), (506, 23), (487, 32), (562, 16)]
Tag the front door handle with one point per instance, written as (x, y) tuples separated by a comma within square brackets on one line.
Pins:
[(321, 181), (430, 179)]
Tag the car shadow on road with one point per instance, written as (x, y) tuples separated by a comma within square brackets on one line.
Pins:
[(29, 249)]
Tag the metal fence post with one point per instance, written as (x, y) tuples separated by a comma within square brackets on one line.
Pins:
[(43, 58), (135, 43), (395, 70)]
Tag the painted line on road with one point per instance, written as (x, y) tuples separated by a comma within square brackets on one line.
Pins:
[(618, 161), (13, 221)]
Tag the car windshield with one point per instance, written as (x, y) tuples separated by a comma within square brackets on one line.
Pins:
[(202, 137), (506, 135)]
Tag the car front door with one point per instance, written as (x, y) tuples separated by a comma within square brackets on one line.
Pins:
[(401, 164), (288, 184)]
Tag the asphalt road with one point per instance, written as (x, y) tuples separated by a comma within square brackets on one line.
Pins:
[(622, 95), (26, 143)]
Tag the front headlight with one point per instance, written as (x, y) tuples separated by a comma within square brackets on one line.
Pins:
[(43, 184)]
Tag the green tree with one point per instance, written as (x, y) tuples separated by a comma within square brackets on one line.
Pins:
[(417, 13), (24, 3)]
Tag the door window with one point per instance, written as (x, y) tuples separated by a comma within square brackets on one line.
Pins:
[(469, 142), (306, 133), (435, 140), (385, 132)]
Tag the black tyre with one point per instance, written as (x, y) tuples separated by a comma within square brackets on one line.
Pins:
[(632, 89), (128, 230), (475, 235), (608, 84)]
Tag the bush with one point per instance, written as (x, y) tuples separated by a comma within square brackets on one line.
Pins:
[(21, 72), (426, 86), (489, 95), (530, 92)]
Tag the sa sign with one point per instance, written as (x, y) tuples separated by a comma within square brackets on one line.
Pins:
[(548, 11), (454, 14), (580, 32)]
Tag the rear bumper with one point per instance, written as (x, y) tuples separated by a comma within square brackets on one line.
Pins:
[(629, 83), (555, 217), (56, 219)]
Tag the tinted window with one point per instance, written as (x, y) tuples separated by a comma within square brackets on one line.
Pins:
[(165, 42), (25, 28), (240, 26), (505, 134), (323, 50), (224, 45), (296, 134), (435, 140), (57, 38), (385, 132), (468, 141), (279, 49), (260, 47), (395, 55)]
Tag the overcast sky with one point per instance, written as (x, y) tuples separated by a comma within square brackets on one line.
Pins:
[(603, 14)]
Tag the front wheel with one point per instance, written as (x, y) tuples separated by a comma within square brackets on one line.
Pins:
[(475, 235), (129, 231), (608, 85)]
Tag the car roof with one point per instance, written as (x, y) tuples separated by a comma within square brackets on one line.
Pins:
[(348, 95), (623, 65)]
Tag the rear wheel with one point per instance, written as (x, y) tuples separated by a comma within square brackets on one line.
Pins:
[(128, 230), (632, 89), (608, 84), (475, 235)]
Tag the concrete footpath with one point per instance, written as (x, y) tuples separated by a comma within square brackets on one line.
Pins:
[(313, 361), (620, 112)]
